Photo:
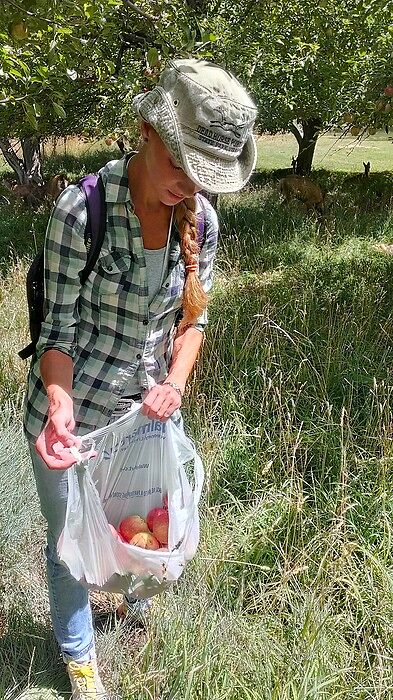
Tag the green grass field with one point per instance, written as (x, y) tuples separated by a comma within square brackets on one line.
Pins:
[(333, 152), (290, 595)]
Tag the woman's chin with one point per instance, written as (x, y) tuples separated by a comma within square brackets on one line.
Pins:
[(170, 198)]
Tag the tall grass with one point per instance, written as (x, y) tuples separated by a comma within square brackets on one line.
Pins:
[(290, 595)]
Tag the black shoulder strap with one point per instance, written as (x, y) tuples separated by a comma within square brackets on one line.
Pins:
[(94, 191)]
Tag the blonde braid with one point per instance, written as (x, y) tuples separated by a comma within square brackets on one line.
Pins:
[(194, 296)]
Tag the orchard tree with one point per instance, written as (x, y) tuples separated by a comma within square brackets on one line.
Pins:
[(72, 67), (309, 64)]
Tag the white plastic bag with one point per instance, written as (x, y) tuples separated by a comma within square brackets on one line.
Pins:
[(138, 462)]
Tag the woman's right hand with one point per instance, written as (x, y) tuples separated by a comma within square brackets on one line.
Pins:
[(56, 438)]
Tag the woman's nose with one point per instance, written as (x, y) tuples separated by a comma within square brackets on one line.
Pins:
[(188, 186)]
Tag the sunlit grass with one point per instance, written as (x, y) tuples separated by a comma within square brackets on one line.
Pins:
[(290, 595)]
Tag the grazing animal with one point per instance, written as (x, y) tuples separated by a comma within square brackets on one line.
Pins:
[(34, 194), (55, 185), (303, 189)]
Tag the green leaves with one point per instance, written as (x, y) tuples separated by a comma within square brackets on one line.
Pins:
[(59, 110)]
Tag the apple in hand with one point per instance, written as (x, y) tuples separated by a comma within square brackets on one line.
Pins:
[(132, 525)]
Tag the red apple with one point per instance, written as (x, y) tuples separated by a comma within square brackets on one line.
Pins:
[(132, 525), (160, 526), (389, 90), (145, 540), (151, 516)]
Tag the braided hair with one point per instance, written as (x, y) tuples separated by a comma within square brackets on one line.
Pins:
[(194, 296)]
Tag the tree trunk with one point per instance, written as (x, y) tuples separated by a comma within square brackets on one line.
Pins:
[(306, 142), (14, 161), (32, 160), (28, 169)]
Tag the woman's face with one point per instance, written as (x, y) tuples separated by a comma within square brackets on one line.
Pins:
[(168, 180)]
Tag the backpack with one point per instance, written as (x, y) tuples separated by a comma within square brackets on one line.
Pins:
[(94, 192)]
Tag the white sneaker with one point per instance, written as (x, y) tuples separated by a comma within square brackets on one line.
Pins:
[(85, 681)]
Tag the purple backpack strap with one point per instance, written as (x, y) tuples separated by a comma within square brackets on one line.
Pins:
[(94, 191)]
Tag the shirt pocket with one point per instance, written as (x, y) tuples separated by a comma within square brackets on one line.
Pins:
[(113, 273)]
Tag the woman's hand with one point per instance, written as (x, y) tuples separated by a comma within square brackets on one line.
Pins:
[(55, 440), (161, 401)]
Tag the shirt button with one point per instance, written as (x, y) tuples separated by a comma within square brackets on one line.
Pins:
[(109, 268), (167, 285), (139, 356), (145, 321)]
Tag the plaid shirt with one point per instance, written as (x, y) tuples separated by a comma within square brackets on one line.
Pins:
[(108, 326)]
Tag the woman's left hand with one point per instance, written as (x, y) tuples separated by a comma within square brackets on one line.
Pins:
[(161, 401)]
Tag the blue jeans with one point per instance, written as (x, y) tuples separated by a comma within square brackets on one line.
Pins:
[(68, 599)]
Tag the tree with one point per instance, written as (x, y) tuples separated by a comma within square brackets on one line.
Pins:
[(73, 67), (308, 63)]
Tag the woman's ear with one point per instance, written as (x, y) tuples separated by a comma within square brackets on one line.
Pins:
[(145, 130)]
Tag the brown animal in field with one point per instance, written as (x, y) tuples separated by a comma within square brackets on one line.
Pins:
[(55, 186), (303, 189), (34, 194), (30, 191)]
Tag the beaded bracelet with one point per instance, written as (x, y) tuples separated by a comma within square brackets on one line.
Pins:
[(175, 387)]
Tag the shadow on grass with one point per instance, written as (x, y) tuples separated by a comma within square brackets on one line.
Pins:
[(29, 657)]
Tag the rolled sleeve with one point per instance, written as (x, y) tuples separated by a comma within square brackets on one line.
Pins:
[(65, 257), (206, 259)]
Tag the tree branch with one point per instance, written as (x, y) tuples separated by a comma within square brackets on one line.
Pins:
[(138, 10), (296, 133)]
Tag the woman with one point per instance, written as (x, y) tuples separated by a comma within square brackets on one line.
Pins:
[(134, 330)]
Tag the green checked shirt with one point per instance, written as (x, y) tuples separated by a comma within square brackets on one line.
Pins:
[(113, 334)]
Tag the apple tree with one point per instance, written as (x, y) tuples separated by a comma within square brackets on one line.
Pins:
[(308, 63)]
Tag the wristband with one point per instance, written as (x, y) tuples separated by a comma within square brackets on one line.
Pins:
[(175, 387)]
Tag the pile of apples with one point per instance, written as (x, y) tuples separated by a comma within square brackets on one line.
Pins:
[(151, 533)]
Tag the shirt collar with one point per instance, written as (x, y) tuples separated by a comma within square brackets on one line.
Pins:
[(115, 178)]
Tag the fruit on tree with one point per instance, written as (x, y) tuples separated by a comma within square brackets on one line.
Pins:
[(161, 526), (145, 540), (372, 130), (348, 118), (355, 131), (18, 30), (132, 525), (389, 90), (108, 141)]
